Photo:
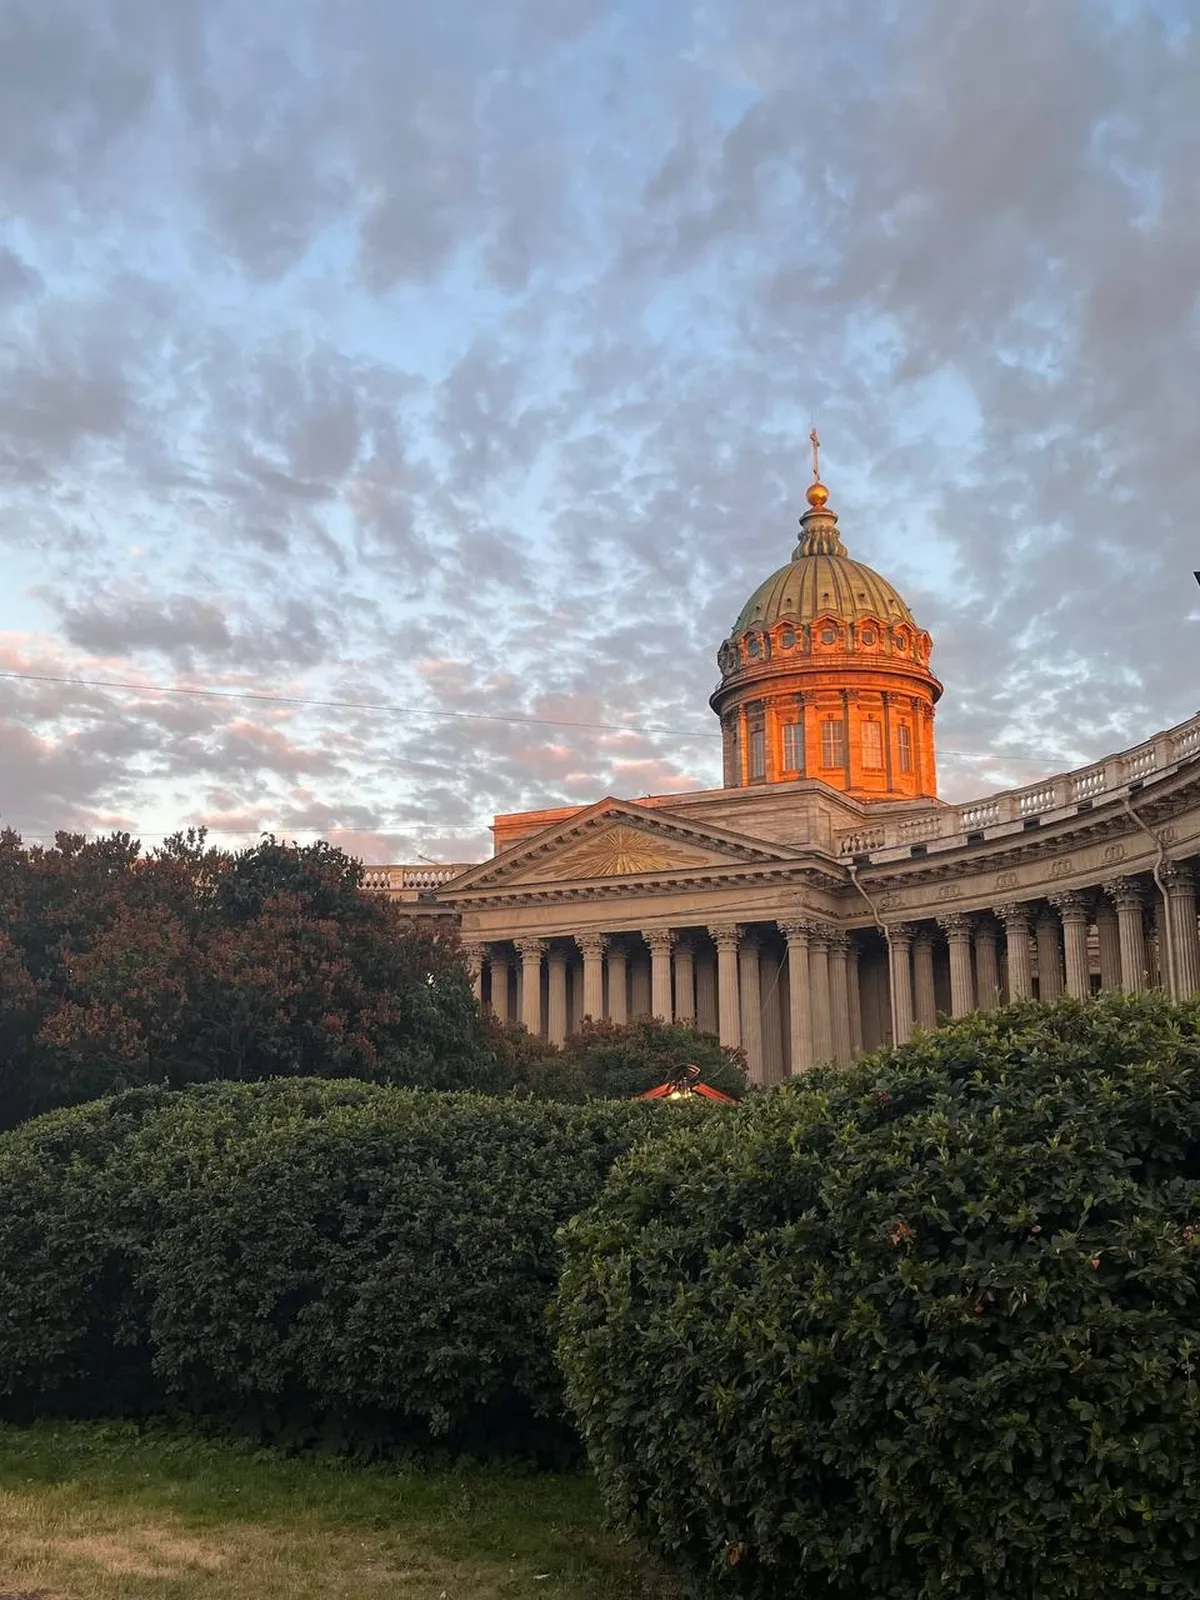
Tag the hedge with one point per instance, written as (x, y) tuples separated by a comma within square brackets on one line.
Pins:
[(329, 1262), (929, 1327)]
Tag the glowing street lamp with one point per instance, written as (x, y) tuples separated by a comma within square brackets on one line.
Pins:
[(684, 1084)]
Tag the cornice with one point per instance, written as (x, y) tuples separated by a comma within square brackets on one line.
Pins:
[(825, 875)]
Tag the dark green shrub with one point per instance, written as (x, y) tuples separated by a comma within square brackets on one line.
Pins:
[(624, 1061), (72, 1323), (926, 1328), (611, 1061), (329, 1262)]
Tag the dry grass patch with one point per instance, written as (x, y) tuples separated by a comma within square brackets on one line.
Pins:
[(110, 1514)]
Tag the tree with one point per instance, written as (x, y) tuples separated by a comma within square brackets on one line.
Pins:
[(612, 1061), (191, 963)]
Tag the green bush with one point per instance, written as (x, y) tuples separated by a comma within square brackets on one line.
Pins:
[(333, 1262), (611, 1061), (926, 1328)]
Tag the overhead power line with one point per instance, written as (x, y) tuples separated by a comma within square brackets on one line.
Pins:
[(390, 708)]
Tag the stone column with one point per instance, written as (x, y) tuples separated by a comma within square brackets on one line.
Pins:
[(770, 977), (729, 1022), (924, 995), (500, 968), (899, 942), (660, 941), (957, 929), (1180, 884), (474, 957), (1108, 941), (556, 998), (531, 952), (1016, 919), (987, 966), (1049, 956), (591, 948), (685, 982), (1153, 926), (706, 990), (839, 998), (1072, 907), (751, 990), (799, 995), (618, 983), (855, 998), (1130, 902), (822, 1007)]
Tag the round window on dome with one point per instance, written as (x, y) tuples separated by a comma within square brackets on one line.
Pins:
[(788, 638), (901, 641), (753, 649), (828, 636), (868, 636)]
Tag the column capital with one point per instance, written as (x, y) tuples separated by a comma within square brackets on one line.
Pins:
[(956, 925), (1126, 894), (591, 944), (1178, 878), (795, 930), (726, 935), (1072, 905), (556, 955), (474, 949), (531, 949), (900, 933), (660, 940), (1016, 915), (838, 942), (922, 939)]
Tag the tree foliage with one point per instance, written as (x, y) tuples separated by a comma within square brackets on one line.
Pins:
[(921, 1330), (189, 963), (608, 1060), (339, 1263)]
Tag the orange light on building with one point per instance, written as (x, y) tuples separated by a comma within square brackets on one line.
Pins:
[(826, 675)]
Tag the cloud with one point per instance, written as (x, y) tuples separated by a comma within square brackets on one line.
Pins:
[(451, 360)]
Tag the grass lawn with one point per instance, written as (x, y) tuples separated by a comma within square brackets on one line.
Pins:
[(113, 1513)]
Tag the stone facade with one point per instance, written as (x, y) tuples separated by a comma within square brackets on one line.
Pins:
[(806, 926), (807, 914)]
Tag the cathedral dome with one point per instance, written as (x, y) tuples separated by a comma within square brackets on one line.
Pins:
[(812, 586), (826, 674), (821, 580)]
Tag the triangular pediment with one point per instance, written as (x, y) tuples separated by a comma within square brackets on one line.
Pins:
[(616, 839)]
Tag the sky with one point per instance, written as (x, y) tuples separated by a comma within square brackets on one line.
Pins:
[(424, 388)]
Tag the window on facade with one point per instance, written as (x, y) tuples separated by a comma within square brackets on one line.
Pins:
[(904, 740), (758, 754), (872, 744), (833, 742), (793, 748)]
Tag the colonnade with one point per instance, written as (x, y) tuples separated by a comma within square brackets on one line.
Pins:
[(787, 993), (801, 990), (1122, 934)]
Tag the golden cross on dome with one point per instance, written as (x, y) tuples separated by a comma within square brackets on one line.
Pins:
[(816, 449)]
